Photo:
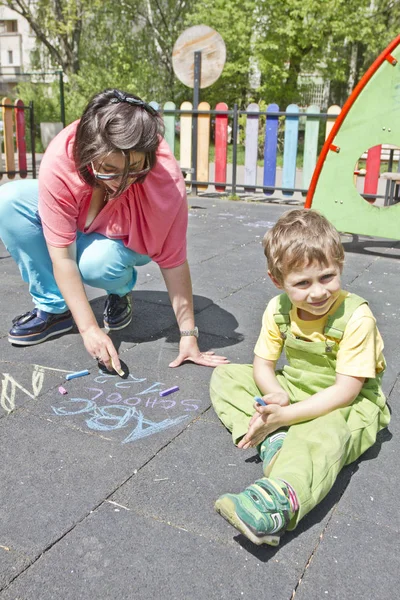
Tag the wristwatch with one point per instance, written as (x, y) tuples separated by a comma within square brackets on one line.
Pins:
[(194, 332)]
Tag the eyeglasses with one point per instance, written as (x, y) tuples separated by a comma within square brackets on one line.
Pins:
[(112, 176), (121, 97)]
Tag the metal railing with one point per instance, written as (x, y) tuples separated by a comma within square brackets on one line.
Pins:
[(234, 114), (232, 186)]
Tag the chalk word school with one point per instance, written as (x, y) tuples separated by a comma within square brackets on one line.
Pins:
[(120, 412)]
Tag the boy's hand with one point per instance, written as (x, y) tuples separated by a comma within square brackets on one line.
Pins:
[(264, 422), (281, 398)]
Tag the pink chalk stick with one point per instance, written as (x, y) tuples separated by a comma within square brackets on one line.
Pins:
[(62, 390)]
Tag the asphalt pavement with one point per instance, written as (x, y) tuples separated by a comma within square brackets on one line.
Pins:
[(108, 491)]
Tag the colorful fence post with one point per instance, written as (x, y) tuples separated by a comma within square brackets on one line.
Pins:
[(290, 148), (310, 145), (1, 157), (221, 146), (185, 155), (169, 124), (203, 145), (270, 148), (251, 148), (19, 114), (333, 112), (8, 136)]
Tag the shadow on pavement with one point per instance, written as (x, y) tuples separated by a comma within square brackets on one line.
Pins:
[(373, 247), (153, 318)]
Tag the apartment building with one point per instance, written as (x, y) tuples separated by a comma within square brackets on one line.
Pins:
[(16, 43)]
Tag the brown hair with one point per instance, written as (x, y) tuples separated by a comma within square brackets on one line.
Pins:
[(114, 121), (298, 238)]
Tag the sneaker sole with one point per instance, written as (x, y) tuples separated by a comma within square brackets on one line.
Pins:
[(229, 514), (31, 341), (113, 328)]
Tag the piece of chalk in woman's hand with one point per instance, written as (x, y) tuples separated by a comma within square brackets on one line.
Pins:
[(260, 401), (119, 371)]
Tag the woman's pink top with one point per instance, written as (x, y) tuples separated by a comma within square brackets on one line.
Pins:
[(150, 217)]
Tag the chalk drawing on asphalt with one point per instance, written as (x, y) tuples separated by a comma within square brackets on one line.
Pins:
[(9, 388), (123, 408), (119, 409)]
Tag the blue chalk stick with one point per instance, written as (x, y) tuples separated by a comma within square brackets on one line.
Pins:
[(260, 401), (77, 374), (169, 391)]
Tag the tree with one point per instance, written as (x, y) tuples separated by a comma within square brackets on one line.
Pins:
[(57, 25), (106, 56), (235, 22), (129, 44), (337, 39), (157, 25)]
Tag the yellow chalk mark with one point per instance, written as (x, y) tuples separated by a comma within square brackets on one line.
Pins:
[(53, 369), (9, 387), (37, 381)]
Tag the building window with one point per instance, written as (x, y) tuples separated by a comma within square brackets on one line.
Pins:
[(8, 26), (10, 57)]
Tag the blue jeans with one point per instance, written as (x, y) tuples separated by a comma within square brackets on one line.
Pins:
[(103, 263)]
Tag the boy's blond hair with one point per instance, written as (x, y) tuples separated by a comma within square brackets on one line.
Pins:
[(299, 238)]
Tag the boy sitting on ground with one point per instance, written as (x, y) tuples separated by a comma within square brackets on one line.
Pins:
[(325, 408)]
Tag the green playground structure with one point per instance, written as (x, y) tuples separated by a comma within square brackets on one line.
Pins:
[(369, 118)]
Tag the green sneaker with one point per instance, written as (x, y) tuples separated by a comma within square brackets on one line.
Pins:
[(269, 450), (262, 512)]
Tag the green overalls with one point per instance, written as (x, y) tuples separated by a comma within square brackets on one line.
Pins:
[(313, 452)]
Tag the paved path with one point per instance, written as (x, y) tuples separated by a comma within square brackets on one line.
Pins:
[(108, 492)]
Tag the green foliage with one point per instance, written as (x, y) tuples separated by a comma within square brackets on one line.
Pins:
[(57, 25), (337, 39), (128, 44), (46, 104), (234, 21), (45, 97)]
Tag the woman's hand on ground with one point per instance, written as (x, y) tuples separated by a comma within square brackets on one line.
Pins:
[(100, 347), (189, 350), (265, 421)]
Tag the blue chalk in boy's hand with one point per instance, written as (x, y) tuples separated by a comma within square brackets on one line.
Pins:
[(260, 401)]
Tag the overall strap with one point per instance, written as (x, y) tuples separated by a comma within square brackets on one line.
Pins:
[(281, 315), (336, 323)]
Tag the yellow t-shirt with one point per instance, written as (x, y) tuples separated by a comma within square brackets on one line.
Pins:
[(360, 349)]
